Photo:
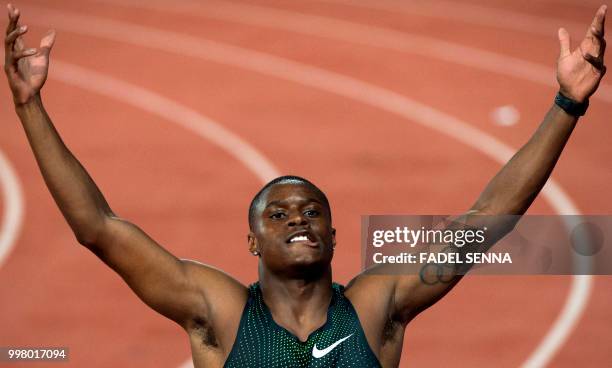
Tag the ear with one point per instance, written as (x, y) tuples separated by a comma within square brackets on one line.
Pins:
[(253, 246), (333, 237)]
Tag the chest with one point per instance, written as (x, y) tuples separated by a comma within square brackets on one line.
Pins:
[(271, 346), (339, 342)]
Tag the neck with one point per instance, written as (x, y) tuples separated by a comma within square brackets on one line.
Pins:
[(301, 289), (298, 304)]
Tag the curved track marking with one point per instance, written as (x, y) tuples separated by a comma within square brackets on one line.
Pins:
[(13, 207), (474, 14), (366, 35), (170, 110), (564, 324), (342, 85), (592, 4)]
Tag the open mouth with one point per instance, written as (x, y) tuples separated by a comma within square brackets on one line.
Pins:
[(302, 237)]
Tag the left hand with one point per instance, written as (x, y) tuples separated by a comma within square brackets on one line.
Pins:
[(580, 71)]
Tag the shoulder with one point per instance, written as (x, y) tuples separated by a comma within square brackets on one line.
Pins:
[(213, 280), (367, 286), (215, 320), (372, 296)]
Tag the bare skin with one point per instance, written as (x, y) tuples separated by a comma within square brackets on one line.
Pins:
[(295, 278)]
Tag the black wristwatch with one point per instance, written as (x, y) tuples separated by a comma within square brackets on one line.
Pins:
[(570, 106)]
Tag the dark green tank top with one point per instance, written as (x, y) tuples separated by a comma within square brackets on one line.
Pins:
[(340, 342)]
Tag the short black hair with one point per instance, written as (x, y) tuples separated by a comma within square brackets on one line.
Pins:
[(286, 179)]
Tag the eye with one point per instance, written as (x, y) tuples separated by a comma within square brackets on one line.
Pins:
[(277, 215), (311, 213)]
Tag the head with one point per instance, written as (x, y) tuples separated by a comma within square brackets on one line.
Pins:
[(291, 227)]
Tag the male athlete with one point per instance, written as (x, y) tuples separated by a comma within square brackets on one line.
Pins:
[(294, 316)]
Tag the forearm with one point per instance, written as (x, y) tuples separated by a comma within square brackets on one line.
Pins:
[(75, 193), (516, 185), (514, 188), (510, 192)]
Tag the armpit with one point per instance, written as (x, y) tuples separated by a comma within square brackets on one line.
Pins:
[(201, 328)]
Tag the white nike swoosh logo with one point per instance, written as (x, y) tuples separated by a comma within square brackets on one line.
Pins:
[(321, 353)]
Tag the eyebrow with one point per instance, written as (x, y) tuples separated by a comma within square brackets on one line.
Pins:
[(282, 202)]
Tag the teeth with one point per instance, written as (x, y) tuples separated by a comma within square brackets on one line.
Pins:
[(298, 238)]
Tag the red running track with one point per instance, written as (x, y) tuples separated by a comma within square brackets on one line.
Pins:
[(191, 195)]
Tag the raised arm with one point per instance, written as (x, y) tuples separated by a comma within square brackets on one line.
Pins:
[(180, 290), (579, 72), (517, 184)]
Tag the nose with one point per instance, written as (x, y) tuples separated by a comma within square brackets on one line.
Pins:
[(297, 219)]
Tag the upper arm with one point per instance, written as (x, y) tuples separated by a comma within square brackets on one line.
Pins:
[(178, 289), (389, 296), (414, 293)]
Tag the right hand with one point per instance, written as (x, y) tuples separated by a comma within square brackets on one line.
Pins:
[(25, 68), (580, 71)]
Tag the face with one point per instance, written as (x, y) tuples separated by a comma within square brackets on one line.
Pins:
[(292, 230)]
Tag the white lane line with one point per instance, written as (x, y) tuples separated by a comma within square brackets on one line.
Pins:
[(170, 110), (13, 207), (335, 83), (475, 14), (568, 318), (368, 35), (591, 4)]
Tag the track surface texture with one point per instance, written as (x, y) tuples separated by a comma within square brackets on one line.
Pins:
[(180, 110)]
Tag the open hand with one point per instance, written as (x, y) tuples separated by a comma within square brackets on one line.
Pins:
[(580, 71), (26, 68)]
